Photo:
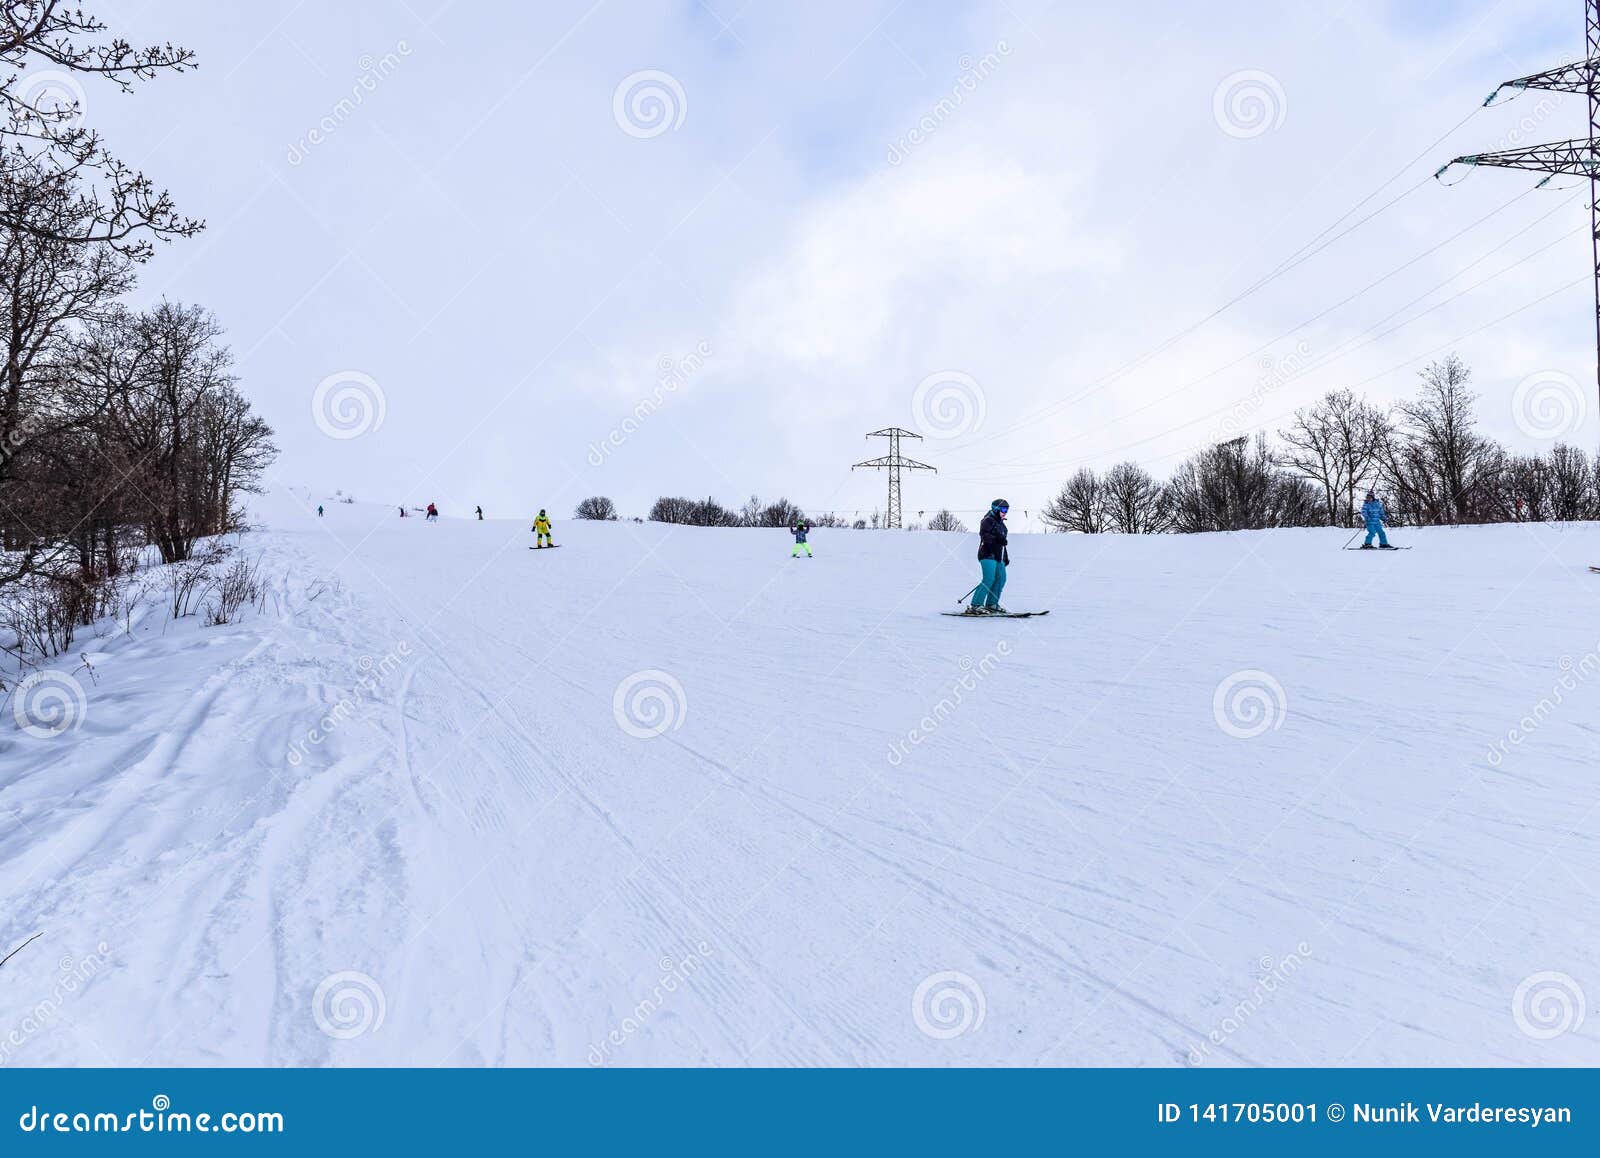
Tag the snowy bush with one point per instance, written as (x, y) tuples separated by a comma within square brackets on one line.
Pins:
[(42, 612), (189, 579), (235, 589)]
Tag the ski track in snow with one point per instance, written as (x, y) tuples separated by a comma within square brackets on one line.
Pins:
[(478, 864)]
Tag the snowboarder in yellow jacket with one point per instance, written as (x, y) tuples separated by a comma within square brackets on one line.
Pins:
[(541, 530)]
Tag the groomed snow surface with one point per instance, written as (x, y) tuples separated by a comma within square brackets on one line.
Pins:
[(666, 795)]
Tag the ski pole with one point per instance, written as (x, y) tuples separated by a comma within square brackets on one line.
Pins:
[(1350, 540), (970, 590)]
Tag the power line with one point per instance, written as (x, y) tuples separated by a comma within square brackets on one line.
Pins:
[(1342, 350), (1298, 257), (1191, 383)]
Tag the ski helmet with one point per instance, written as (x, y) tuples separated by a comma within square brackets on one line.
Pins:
[(999, 505), (1371, 495)]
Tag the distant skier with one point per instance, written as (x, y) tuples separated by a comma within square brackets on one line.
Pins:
[(433, 513), (993, 557), (799, 529), (402, 512), (319, 510), (541, 529), (1374, 514), (480, 514)]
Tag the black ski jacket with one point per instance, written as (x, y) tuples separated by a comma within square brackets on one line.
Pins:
[(992, 539)]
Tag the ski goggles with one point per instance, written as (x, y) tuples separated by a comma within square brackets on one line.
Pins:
[(1002, 508)]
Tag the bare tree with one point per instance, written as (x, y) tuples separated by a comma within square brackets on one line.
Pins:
[(1135, 503), (945, 520), (1236, 486), (47, 288), (1080, 506), (598, 508), (43, 141), (1335, 444), (693, 512), (781, 513), (1439, 468), (1572, 485), (179, 442)]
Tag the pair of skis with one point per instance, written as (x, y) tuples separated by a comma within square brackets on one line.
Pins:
[(995, 614)]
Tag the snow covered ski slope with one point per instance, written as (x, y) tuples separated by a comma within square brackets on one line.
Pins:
[(670, 797)]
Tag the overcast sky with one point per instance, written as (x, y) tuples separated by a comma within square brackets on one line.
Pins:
[(459, 247)]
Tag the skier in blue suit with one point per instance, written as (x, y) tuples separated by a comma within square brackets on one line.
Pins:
[(993, 558), (1372, 511)]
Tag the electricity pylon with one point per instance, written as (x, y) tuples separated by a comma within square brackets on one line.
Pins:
[(1580, 158), (895, 462)]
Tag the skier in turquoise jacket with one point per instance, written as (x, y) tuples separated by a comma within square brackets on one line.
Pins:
[(1372, 511)]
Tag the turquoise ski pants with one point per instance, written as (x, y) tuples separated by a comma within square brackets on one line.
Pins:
[(994, 582)]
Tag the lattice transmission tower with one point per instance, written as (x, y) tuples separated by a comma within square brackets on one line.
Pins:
[(895, 462), (1580, 158)]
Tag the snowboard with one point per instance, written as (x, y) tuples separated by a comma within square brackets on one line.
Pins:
[(551, 547), (1007, 615)]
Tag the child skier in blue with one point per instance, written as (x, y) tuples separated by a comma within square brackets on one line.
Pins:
[(993, 558), (1372, 511), (799, 530)]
